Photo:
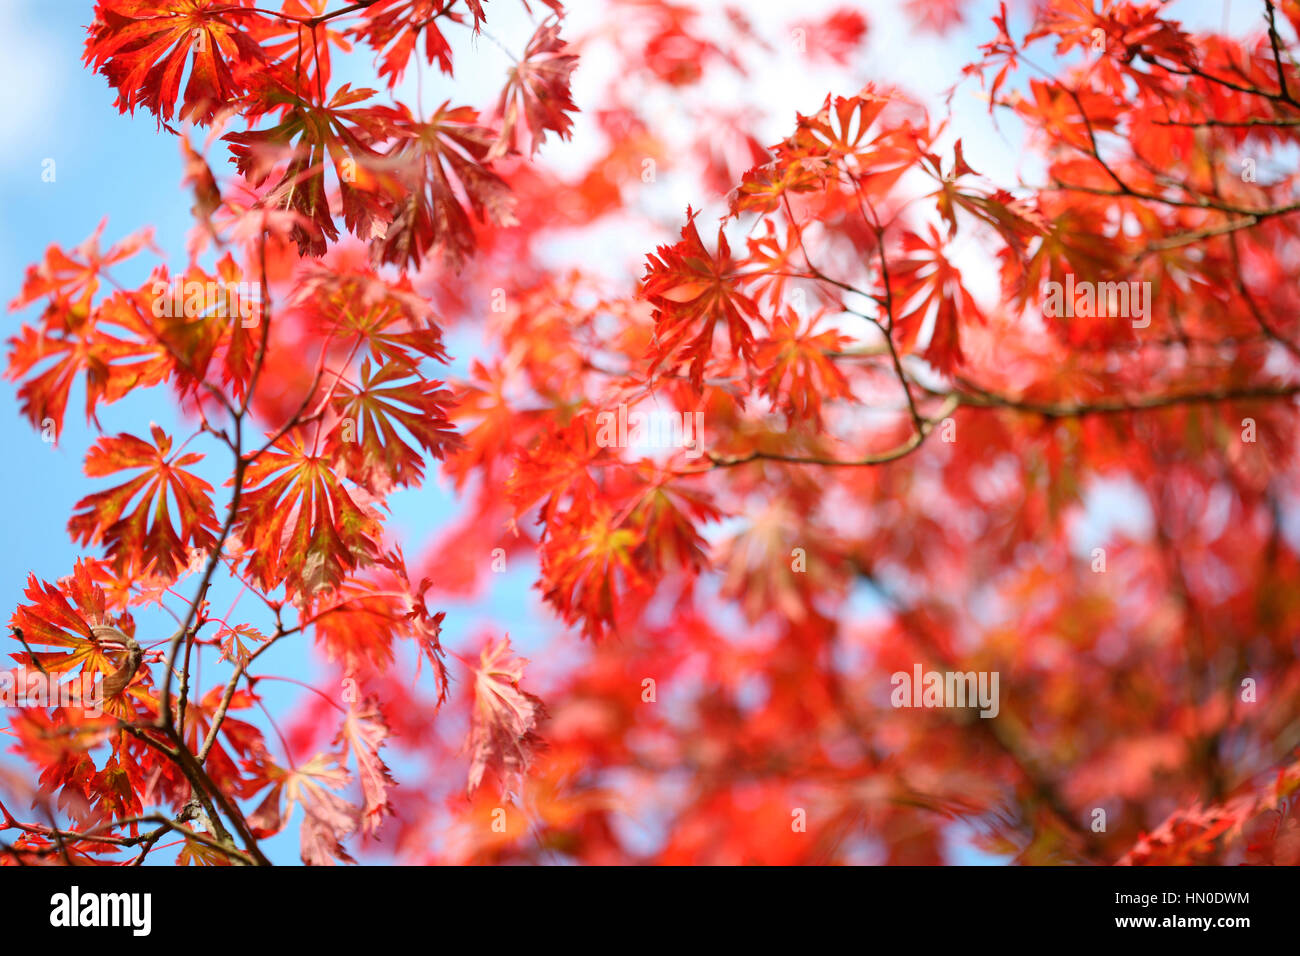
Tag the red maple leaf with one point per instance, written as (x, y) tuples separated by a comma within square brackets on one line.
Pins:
[(72, 616), (327, 818), (443, 164), (502, 736), (367, 443), (536, 93), (302, 526), (692, 290), (363, 733), (144, 46), (145, 540), (307, 140), (927, 285)]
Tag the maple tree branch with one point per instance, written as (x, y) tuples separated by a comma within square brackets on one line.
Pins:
[(1228, 84), (815, 272), (199, 789), (1124, 189), (309, 22), (1201, 202), (18, 633), (887, 328), (228, 695), (428, 212), (1240, 279), (186, 761), (1210, 123), (183, 692), (1199, 235), (918, 423), (241, 465), (810, 274), (978, 397), (200, 780), (175, 826), (865, 351), (343, 11), (1253, 306), (920, 426), (914, 442), (260, 359), (94, 835), (1275, 42), (174, 643)]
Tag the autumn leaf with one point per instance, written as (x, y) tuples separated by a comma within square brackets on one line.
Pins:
[(836, 36), (765, 186), (668, 519), (111, 343), (393, 29), (588, 567), (929, 287), (798, 368), (502, 736), (444, 166), (692, 290), (233, 646), (362, 734), (67, 616), (302, 526), (237, 741), (841, 128), (144, 46), (144, 541), (367, 443), (197, 853), (1100, 508), (70, 279), (386, 320), (357, 622), (308, 140), (536, 95), (558, 469), (327, 818)]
